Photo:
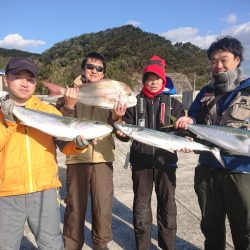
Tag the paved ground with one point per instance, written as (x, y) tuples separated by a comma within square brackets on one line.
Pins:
[(188, 233)]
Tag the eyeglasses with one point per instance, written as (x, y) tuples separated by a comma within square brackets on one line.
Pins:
[(92, 66)]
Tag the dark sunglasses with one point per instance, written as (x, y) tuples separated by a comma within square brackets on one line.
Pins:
[(92, 66)]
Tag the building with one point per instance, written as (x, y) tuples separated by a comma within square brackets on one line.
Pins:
[(2, 72)]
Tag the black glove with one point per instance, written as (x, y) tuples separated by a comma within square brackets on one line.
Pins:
[(7, 109), (80, 142)]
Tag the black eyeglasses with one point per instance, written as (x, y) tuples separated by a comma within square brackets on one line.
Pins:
[(92, 66)]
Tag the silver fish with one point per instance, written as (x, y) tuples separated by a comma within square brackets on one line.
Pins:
[(62, 127), (167, 141), (104, 93), (3, 93), (234, 140)]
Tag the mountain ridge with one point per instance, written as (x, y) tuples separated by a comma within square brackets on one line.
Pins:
[(127, 50)]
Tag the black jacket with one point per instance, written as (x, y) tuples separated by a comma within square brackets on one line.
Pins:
[(149, 113)]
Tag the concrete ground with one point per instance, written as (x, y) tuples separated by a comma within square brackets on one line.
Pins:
[(189, 235)]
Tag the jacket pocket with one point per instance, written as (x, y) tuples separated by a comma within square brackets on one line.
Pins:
[(240, 110)]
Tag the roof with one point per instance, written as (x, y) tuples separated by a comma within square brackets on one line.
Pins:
[(181, 82)]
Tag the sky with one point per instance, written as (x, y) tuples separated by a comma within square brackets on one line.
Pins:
[(36, 25)]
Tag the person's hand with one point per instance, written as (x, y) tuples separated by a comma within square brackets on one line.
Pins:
[(81, 142), (119, 133), (119, 110), (70, 97), (183, 121), (187, 150), (7, 109)]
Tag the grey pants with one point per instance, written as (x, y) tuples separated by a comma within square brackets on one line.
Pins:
[(41, 210)]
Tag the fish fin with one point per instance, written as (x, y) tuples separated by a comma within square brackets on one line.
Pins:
[(127, 162), (50, 98), (200, 137), (216, 153), (103, 107), (171, 151), (172, 118), (53, 88), (168, 126), (63, 139)]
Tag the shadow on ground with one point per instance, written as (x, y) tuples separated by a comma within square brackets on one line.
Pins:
[(122, 224)]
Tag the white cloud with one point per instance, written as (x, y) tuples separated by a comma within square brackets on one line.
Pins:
[(191, 34), (242, 32), (16, 41), (231, 19), (134, 23)]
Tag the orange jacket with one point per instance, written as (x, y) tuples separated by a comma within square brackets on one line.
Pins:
[(28, 157)]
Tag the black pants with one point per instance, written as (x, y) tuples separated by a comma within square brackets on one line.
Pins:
[(222, 192), (165, 184)]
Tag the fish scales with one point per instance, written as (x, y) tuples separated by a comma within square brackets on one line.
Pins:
[(234, 140), (166, 141), (61, 126), (104, 93)]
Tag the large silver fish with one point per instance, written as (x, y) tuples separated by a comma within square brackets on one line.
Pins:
[(62, 127), (234, 140), (104, 93), (167, 141)]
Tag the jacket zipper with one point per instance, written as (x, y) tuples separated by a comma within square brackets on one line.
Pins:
[(29, 159), (153, 120)]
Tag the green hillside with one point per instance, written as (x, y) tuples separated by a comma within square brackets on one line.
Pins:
[(127, 50), (7, 54)]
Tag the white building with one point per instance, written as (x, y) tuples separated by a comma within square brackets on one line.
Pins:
[(2, 72)]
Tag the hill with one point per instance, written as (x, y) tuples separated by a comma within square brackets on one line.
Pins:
[(127, 50), (7, 54)]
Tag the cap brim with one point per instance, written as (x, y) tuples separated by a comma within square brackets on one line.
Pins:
[(14, 71)]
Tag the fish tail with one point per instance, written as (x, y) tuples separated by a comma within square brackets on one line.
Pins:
[(216, 152), (54, 89)]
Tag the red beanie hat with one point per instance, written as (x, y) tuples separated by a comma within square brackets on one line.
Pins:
[(157, 66)]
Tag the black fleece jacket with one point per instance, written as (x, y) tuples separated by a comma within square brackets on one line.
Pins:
[(145, 156)]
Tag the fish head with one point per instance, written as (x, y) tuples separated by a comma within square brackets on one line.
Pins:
[(127, 129)]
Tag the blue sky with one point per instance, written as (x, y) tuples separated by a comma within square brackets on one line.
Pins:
[(35, 26)]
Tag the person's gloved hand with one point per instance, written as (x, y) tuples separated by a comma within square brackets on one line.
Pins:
[(81, 142), (7, 109)]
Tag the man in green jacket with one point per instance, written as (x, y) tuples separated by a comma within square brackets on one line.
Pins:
[(91, 172)]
